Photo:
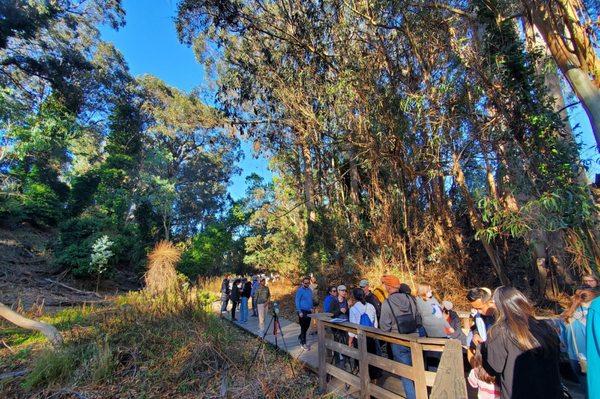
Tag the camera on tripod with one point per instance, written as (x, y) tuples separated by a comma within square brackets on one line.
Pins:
[(275, 309)]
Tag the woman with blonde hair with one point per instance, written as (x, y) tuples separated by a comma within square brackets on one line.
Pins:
[(573, 330), (432, 315), (521, 350)]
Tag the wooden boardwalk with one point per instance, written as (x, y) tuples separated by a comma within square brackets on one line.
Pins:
[(289, 343), (310, 358)]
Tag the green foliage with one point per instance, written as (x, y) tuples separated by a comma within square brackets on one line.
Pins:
[(206, 254), (76, 238), (56, 366), (41, 205)]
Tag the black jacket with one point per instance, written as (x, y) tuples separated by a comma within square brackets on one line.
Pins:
[(235, 292), (372, 299), (525, 374), (225, 286), (247, 290)]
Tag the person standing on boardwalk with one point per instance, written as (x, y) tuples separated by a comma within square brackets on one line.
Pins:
[(573, 330), (369, 297), (593, 349), (263, 296), (340, 309), (483, 307), (225, 291), (255, 285), (522, 350), (591, 281), (364, 313), (431, 312), (246, 291), (329, 299), (399, 313), (235, 295), (304, 306)]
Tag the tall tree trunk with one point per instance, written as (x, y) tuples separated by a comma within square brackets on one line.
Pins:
[(573, 51), (552, 82), (309, 191), (476, 221)]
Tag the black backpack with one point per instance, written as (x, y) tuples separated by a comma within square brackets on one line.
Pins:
[(409, 322)]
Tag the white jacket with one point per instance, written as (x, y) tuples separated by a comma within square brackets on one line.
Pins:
[(357, 310)]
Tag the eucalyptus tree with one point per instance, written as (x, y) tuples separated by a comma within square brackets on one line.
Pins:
[(190, 158), (404, 129)]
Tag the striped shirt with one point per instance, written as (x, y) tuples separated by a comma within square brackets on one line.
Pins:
[(485, 390)]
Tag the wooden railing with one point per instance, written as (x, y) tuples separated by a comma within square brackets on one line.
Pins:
[(448, 382)]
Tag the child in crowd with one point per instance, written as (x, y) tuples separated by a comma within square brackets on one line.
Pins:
[(480, 379), (453, 326), (573, 330)]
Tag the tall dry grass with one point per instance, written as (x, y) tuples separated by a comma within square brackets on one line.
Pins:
[(161, 275)]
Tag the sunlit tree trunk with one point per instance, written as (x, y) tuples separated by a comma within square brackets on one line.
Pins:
[(559, 24), (48, 330)]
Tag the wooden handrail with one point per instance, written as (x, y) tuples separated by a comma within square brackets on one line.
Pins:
[(451, 382)]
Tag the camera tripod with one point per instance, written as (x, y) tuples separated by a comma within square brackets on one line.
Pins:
[(276, 331)]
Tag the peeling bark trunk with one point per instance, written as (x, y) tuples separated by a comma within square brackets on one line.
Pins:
[(573, 52)]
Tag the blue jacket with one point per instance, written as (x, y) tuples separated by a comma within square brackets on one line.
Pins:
[(304, 299), (593, 349), (327, 303), (575, 329)]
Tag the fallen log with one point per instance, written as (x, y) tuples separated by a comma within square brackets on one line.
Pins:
[(13, 374), (48, 330), (73, 288)]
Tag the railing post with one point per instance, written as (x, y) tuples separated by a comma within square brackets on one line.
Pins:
[(450, 378), (363, 365), (418, 364), (322, 352)]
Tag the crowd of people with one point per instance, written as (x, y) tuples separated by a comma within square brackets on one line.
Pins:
[(510, 352)]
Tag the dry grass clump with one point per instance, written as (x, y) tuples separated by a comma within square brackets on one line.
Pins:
[(162, 275)]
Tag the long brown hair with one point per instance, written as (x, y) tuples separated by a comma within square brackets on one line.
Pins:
[(582, 294), (515, 318), (480, 373)]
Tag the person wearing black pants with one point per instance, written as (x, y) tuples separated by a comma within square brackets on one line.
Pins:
[(304, 305), (224, 294), (304, 320), (235, 297)]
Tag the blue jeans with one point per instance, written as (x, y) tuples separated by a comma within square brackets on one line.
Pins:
[(244, 309), (402, 355)]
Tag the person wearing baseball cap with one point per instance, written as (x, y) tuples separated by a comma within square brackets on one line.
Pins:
[(369, 297), (339, 308)]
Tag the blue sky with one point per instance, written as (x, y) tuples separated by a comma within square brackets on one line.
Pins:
[(150, 45)]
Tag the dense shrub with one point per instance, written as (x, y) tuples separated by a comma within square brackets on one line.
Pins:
[(41, 205), (77, 236)]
